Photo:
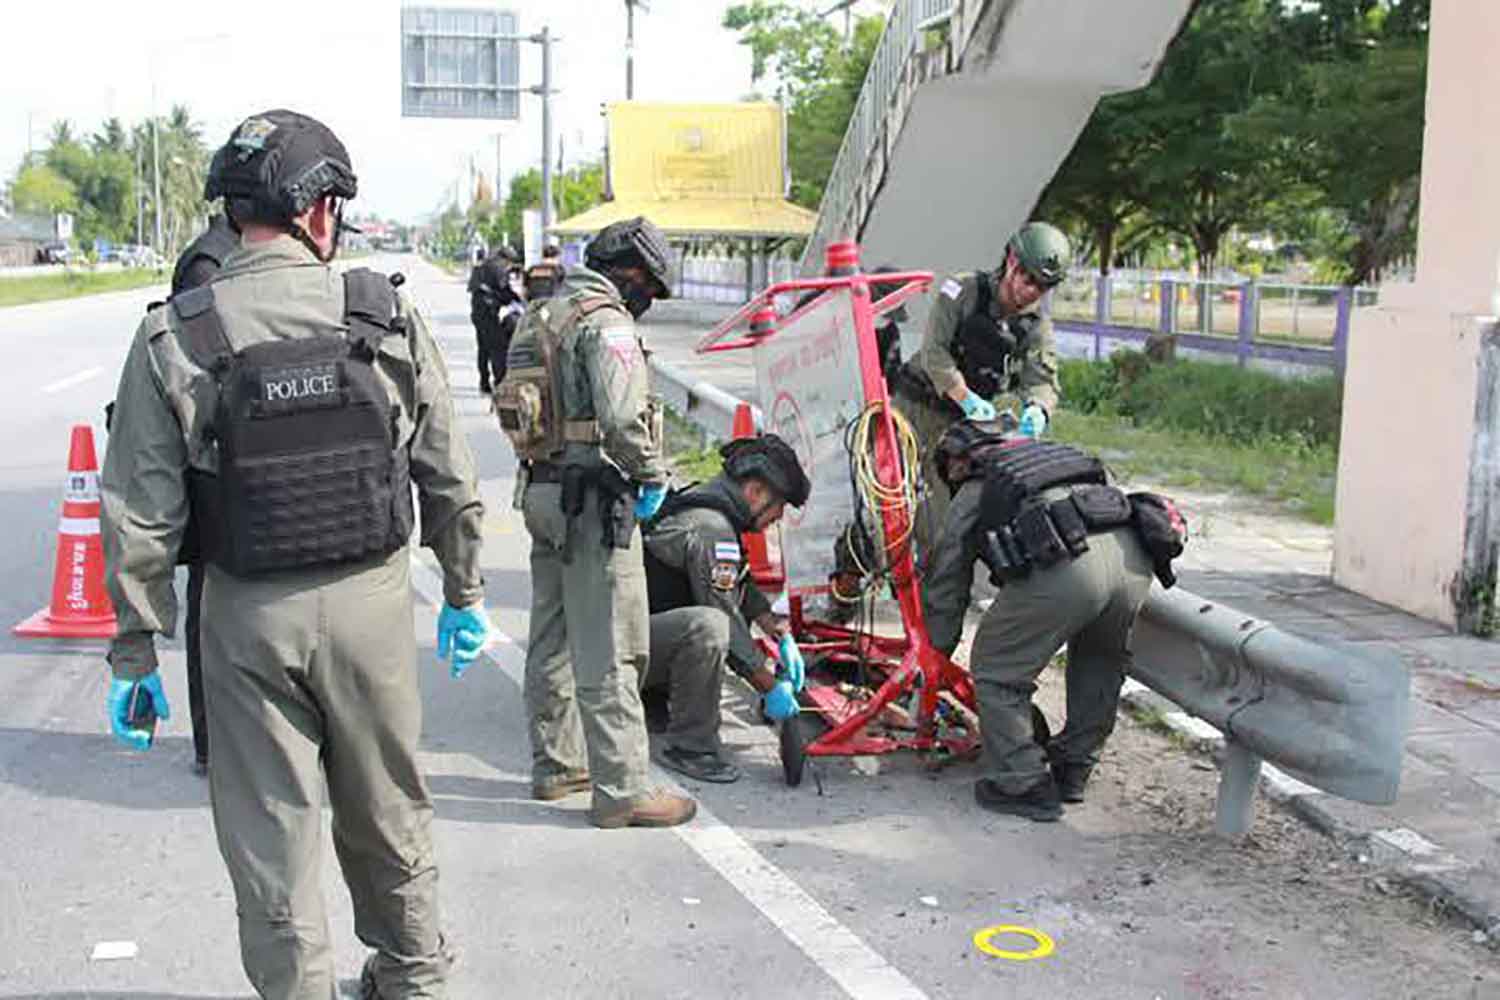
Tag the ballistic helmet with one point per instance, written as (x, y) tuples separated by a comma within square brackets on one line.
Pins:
[(1043, 252), (275, 165), (633, 243), (769, 458)]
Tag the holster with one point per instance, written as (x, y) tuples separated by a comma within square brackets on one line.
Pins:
[(1002, 554), (616, 509)]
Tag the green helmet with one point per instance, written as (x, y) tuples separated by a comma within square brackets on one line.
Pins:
[(1043, 252)]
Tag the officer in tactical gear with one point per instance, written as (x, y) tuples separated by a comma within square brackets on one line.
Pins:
[(985, 335), (703, 601), (491, 302), (1073, 557), (293, 407), (542, 279), (576, 407), (199, 263)]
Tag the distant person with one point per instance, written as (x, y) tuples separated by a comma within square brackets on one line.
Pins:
[(490, 298), (544, 278)]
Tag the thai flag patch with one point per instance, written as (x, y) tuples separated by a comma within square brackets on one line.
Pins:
[(727, 551)]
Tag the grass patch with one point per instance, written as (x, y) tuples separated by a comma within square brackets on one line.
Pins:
[(687, 455), (1292, 473), (73, 284)]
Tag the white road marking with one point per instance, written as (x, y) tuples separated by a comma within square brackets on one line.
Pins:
[(78, 378), (858, 969)]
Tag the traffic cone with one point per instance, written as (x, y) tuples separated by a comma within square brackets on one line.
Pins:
[(80, 607), (766, 574)]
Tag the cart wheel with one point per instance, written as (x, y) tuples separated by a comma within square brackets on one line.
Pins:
[(796, 733)]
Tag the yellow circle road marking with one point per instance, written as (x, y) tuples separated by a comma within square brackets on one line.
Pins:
[(1044, 945)]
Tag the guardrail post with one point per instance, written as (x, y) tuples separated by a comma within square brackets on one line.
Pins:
[(1344, 300), (1246, 344), (1237, 780), (1167, 321)]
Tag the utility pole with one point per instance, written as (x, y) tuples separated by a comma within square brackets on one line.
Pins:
[(156, 167), (630, 6), (545, 39)]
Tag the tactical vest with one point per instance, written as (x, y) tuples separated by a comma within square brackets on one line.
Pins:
[(984, 348), (310, 472), (668, 587), (542, 280), (529, 399), (215, 244), (1020, 531)]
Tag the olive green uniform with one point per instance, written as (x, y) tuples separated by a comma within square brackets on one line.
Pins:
[(589, 643), (1089, 602), (690, 646), (311, 673), (1032, 375)]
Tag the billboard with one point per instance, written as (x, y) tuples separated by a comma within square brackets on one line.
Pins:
[(460, 63)]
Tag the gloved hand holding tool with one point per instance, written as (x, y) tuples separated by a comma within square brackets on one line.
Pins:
[(463, 633), (133, 708), (977, 407), (794, 668), (780, 702), (1033, 421)]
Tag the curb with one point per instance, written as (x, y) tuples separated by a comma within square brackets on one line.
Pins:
[(1435, 874)]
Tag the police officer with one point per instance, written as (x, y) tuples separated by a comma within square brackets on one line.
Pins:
[(544, 278), (199, 263), (490, 297), (592, 467), (985, 336), (703, 601), (293, 407), (1068, 552)]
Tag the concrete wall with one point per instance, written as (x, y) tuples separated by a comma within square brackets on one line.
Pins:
[(1408, 473)]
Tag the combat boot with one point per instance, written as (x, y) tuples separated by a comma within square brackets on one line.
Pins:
[(700, 766), (1039, 802), (1070, 779), (655, 808), (560, 786)]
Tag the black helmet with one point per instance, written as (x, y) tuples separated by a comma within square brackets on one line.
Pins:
[(633, 243), (768, 457), (276, 164), (966, 439)]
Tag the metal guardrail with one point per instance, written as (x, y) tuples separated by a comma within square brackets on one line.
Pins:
[(903, 30), (1329, 714), (695, 400)]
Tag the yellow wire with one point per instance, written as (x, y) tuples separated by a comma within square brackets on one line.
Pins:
[(875, 496)]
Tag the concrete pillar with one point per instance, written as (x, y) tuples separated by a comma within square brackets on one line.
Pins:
[(1416, 476)]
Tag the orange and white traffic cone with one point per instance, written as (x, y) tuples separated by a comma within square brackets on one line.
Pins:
[(80, 607)]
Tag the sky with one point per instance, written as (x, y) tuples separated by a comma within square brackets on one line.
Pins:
[(339, 60)]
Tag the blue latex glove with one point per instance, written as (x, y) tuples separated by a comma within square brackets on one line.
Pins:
[(795, 669), (117, 707), (1033, 421), (977, 407), (781, 701), (648, 501), (461, 632)]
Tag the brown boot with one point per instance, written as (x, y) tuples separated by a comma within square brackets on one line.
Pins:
[(655, 808), (560, 786)]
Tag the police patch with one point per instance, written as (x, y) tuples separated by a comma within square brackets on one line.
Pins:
[(725, 575), (253, 133), (952, 288), (304, 384)]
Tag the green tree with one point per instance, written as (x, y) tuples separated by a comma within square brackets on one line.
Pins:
[(40, 190), (817, 77), (574, 191), (1349, 125)]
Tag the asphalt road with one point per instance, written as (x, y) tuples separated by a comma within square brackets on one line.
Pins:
[(871, 885)]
